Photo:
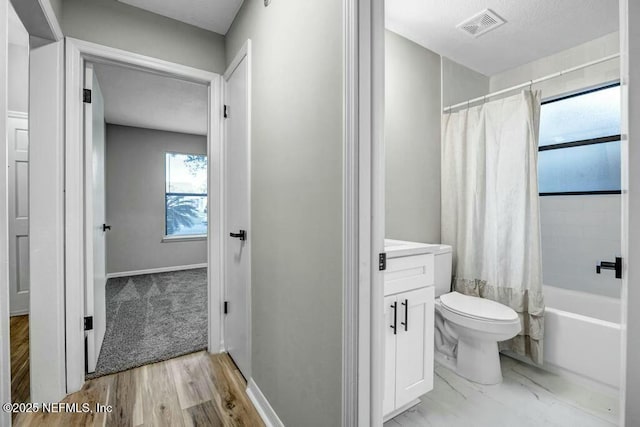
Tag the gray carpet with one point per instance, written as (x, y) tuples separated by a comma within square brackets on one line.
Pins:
[(153, 317)]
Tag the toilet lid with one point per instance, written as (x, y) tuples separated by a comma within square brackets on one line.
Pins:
[(477, 307)]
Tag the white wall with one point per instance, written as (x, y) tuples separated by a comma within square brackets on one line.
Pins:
[(46, 223), (577, 231), (296, 204), (135, 178), (18, 78), (18, 65), (412, 141)]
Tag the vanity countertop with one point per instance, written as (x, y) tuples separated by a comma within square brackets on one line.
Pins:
[(400, 248)]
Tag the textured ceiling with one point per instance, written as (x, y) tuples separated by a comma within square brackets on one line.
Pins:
[(534, 28), (212, 15), (140, 99)]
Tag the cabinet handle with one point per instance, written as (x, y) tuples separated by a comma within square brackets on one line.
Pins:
[(394, 306), (406, 315)]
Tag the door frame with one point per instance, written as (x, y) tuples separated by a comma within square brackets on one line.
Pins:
[(76, 53), (244, 52), (363, 213), (5, 355), (630, 325)]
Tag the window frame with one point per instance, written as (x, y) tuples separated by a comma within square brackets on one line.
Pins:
[(579, 143), (169, 238)]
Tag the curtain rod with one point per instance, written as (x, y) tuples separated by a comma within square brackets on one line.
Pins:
[(532, 82)]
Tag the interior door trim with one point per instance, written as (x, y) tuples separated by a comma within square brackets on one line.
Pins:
[(76, 53)]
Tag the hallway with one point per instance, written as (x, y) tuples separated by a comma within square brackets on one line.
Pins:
[(193, 390)]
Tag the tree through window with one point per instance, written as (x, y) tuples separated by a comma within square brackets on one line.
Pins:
[(186, 195)]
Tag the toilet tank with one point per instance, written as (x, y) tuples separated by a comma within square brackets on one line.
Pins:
[(443, 263)]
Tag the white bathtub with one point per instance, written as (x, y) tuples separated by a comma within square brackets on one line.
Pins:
[(582, 334)]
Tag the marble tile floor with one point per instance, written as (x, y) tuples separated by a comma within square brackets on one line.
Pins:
[(528, 396)]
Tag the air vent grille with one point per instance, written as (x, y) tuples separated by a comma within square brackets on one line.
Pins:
[(481, 23)]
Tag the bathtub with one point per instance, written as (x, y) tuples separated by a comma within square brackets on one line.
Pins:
[(582, 335)]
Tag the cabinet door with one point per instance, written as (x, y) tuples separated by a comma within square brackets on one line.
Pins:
[(414, 352), (389, 402)]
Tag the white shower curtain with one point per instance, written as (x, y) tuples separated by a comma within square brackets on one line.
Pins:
[(490, 209)]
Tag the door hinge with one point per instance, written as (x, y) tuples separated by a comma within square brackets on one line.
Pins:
[(86, 96), (88, 323), (226, 111), (226, 307), (382, 261)]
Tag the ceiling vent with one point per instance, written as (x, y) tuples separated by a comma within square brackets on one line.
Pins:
[(481, 23)]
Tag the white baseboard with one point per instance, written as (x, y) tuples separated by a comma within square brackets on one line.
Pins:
[(262, 405), (155, 270), (18, 313)]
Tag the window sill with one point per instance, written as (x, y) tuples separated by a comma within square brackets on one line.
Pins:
[(173, 239)]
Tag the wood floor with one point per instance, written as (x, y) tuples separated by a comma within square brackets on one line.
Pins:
[(193, 390), (19, 359)]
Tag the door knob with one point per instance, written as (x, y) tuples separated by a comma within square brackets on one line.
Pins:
[(242, 235), (105, 227)]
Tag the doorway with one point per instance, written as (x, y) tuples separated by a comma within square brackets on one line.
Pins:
[(131, 283), (591, 261), (146, 217)]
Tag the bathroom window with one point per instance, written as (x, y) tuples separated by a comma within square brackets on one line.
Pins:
[(185, 195), (580, 143)]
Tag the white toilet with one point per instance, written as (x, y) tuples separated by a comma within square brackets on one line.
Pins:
[(468, 328)]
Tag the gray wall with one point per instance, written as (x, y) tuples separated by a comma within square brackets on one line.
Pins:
[(135, 199), (460, 83), (18, 78), (412, 140), (56, 5), (118, 25), (296, 204)]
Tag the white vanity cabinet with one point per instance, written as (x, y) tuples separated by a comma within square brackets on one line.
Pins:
[(409, 328)]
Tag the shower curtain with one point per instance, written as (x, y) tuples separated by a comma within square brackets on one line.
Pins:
[(490, 209)]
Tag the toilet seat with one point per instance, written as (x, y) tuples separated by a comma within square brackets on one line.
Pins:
[(477, 308), (499, 329)]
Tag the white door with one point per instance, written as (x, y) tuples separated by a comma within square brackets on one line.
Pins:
[(390, 324), (95, 218), (414, 352), (237, 233), (18, 156)]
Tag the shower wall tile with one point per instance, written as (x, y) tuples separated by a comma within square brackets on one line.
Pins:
[(577, 233)]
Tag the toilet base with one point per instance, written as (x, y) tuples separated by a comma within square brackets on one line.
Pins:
[(479, 361)]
